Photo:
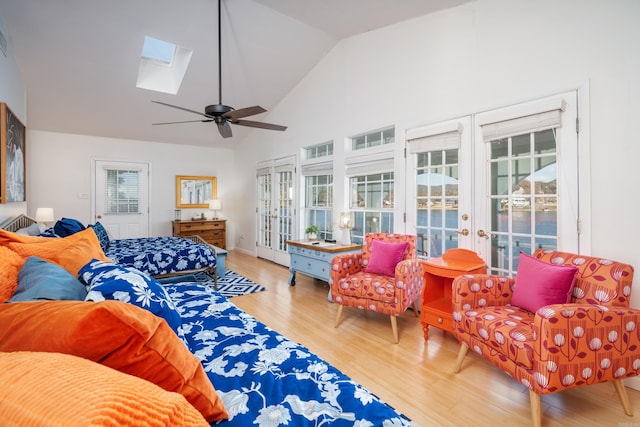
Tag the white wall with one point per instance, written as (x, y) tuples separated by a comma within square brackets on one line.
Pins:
[(479, 56), (59, 169), (14, 94)]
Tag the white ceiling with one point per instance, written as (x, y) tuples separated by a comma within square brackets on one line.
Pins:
[(79, 58)]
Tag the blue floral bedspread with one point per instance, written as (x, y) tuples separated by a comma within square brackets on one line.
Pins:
[(161, 255), (263, 378)]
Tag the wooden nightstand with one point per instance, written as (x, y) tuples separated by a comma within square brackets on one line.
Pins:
[(213, 231), (435, 309)]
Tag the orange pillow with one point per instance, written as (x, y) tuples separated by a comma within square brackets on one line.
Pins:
[(60, 389), (10, 265), (71, 252), (116, 334)]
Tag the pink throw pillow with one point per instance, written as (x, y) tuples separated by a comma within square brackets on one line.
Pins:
[(385, 256), (539, 283)]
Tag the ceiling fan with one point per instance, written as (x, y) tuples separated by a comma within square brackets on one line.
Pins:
[(223, 114)]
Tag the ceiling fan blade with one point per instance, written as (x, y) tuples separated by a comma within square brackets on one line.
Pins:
[(261, 125), (182, 108), (187, 121), (225, 130), (244, 112)]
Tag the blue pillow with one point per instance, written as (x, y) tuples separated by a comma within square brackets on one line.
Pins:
[(42, 280), (102, 234), (67, 226), (109, 281)]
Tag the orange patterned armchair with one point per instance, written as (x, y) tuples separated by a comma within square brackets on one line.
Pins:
[(592, 339), (392, 294)]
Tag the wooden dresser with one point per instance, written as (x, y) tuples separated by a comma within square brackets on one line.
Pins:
[(214, 231)]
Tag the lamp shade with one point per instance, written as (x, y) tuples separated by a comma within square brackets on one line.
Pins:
[(44, 215), (215, 205), (346, 220)]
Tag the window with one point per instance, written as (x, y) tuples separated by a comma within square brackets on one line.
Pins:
[(122, 192), (373, 139), (317, 151), (372, 204), (162, 65), (317, 171), (319, 204), (158, 50)]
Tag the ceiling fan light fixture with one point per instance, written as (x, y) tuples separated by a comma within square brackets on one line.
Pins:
[(223, 114)]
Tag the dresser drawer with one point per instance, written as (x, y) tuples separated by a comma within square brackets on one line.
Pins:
[(197, 226), (212, 231), (210, 234)]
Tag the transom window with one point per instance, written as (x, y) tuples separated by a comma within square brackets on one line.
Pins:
[(317, 151), (373, 139)]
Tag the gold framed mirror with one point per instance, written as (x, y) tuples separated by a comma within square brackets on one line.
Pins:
[(195, 191)]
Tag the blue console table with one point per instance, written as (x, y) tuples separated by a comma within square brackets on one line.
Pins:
[(313, 258)]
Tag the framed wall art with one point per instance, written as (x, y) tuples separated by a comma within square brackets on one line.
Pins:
[(13, 145)]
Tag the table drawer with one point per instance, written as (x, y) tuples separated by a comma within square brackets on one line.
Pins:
[(436, 318), (311, 266), (310, 253)]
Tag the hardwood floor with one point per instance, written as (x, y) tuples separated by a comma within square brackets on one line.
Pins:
[(414, 376)]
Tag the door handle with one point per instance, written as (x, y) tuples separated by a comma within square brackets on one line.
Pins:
[(464, 232), (98, 216), (482, 233)]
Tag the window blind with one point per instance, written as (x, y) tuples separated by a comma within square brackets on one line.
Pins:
[(531, 117), (317, 168), (444, 136)]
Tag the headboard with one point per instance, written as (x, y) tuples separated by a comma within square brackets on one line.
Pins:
[(15, 224)]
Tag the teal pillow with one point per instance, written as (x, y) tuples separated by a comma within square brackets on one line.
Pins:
[(42, 280)]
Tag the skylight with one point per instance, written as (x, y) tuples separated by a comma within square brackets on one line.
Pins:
[(158, 50), (162, 65)]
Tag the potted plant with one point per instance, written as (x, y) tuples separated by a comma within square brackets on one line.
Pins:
[(312, 231)]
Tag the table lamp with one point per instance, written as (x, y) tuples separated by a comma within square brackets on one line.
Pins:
[(215, 205), (44, 215)]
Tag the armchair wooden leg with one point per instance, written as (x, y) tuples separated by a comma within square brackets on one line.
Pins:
[(415, 308), (536, 409), (338, 316), (394, 328), (461, 354), (624, 398)]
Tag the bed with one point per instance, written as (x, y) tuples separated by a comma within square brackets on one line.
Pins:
[(155, 256), (234, 370), (261, 376)]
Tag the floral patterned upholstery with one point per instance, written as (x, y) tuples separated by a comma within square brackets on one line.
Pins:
[(594, 338), (351, 286)]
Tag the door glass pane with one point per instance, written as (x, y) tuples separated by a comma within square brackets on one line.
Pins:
[(285, 214), (523, 197), (264, 210), (122, 192), (437, 199)]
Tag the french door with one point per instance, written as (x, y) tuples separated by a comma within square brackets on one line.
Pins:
[(498, 182), (275, 212)]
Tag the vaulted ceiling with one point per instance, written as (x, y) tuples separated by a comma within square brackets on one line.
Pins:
[(79, 58)]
